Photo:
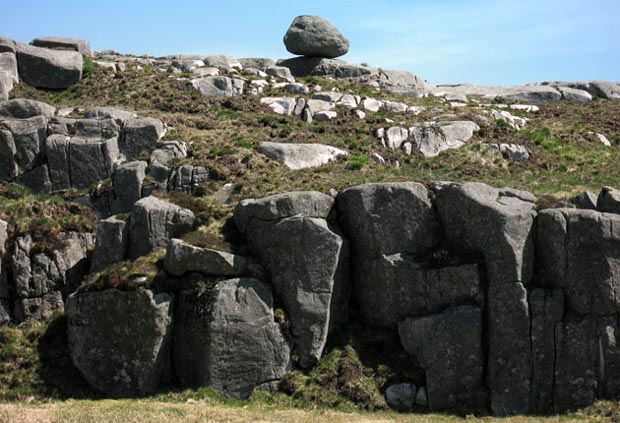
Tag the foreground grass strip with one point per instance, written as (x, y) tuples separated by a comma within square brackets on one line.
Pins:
[(126, 411)]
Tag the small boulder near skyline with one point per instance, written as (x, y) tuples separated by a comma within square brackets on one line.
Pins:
[(315, 36)]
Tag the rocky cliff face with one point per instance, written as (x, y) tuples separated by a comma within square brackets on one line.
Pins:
[(495, 300)]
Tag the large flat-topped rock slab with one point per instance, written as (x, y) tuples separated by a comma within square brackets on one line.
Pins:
[(63, 43), (45, 68), (300, 156)]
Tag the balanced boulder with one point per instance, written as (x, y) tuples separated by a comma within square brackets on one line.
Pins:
[(314, 36)]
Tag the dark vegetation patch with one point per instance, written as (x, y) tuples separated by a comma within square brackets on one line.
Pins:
[(44, 217)]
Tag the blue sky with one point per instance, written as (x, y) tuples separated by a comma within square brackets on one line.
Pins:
[(479, 41)]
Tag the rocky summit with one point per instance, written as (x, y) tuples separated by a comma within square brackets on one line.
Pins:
[(331, 232)]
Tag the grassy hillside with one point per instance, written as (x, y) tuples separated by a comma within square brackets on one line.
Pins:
[(224, 134)]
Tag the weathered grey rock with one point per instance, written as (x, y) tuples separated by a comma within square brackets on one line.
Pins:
[(260, 63), (531, 94), (609, 357), (127, 186), (318, 66), (577, 358), (324, 116), (28, 137), (586, 200), (313, 287), (300, 156), (182, 258), (602, 89), (280, 72), (306, 283), (36, 179), (400, 82), (153, 223), (8, 64), (391, 288), (187, 178), (111, 243), (329, 96), (449, 348), (300, 105), (297, 88), (580, 258), (218, 86), (5, 307), (6, 85), (102, 330), (306, 115), (226, 338), (221, 61), (372, 104), (188, 65), (431, 138), (388, 218), (280, 105), (494, 222), (547, 310), (94, 129), (9, 168), (395, 137), (161, 160), (519, 93), (484, 220), (575, 95), (315, 105), (401, 396), (608, 200), (270, 209), (79, 163), (395, 107), (118, 115), (22, 108), (63, 43), (421, 399), (42, 280), (141, 135), (314, 36), (7, 45), (44, 68)]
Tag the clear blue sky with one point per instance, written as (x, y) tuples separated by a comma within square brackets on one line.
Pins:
[(448, 41)]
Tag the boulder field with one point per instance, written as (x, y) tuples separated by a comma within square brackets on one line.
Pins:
[(497, 301)]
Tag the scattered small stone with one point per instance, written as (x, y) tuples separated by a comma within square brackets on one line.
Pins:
[(359, 114), (376, 157), (325, 115)]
